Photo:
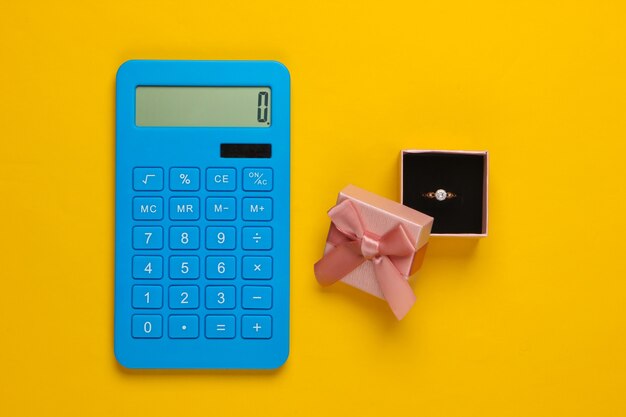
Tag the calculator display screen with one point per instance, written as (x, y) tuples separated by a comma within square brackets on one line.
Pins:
[(203, 106)]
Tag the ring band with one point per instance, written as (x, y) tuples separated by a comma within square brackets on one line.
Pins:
[(440, 195)]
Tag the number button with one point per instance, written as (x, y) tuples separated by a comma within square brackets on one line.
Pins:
[(257, 238), (221, 179), (257, 267), (148, 179), (184, 267), (257, 209), (220, 238), (148, 237), (183, 327), (221, 208), (184, 179), (219, 327), (147, 326), (220, 267), (257, 179), (184, 208), (147, 296), (256, 327), (184, 296), (147, 267), (257, 297), (147, 208), (184, 238), (220, 297)]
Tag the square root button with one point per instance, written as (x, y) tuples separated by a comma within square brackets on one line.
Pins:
[(256, 327), (148, 179)]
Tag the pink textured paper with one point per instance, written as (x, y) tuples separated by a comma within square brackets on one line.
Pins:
[(381, 215)]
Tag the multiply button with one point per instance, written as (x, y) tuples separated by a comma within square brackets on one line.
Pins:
[(220, 208), (184, 179), (147, 208), (257, 238), (257, 179), (148, 179), (257, 209), (257, 267), (221, 179), (256, 327)]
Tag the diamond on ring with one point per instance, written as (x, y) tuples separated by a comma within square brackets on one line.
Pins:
[(439, 195)]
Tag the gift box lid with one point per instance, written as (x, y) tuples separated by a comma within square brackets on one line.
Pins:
[(380, 215)]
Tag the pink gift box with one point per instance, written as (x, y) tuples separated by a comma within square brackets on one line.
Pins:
[(379, 216)]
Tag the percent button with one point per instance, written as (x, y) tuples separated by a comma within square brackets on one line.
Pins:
[(257, 179), (184, 179)]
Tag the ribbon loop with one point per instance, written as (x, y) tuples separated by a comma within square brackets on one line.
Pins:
[(359, 245)]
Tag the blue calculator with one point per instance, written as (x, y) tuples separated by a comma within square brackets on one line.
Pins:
[(202, 214)]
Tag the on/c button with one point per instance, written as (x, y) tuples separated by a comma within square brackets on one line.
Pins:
[(221, 179)]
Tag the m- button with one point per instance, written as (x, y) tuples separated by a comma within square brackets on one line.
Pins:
[(221, 179)]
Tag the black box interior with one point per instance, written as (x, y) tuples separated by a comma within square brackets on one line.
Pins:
[(459, 173)]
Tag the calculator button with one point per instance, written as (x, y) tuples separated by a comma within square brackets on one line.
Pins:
[(184, 296), (147, 267), (256, 327), (256, 297), (220, 297), (184, 179), (257, 209), (148, 179), (220, 267), (183, 327), (220, 237), (257, 179), (184, 267), (184, 237), (219, 327), (184, 208), (147, 208), (221, 208), (257, 238), (148, 237), (147, 296), (221, 179), (147, 326), (257, 267)]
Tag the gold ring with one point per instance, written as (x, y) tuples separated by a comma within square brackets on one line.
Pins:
[(440, 195)]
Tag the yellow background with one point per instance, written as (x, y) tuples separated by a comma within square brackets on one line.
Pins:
[(530, 321)]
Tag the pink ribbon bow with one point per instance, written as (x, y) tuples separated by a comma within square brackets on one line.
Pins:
[(354, 244)]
